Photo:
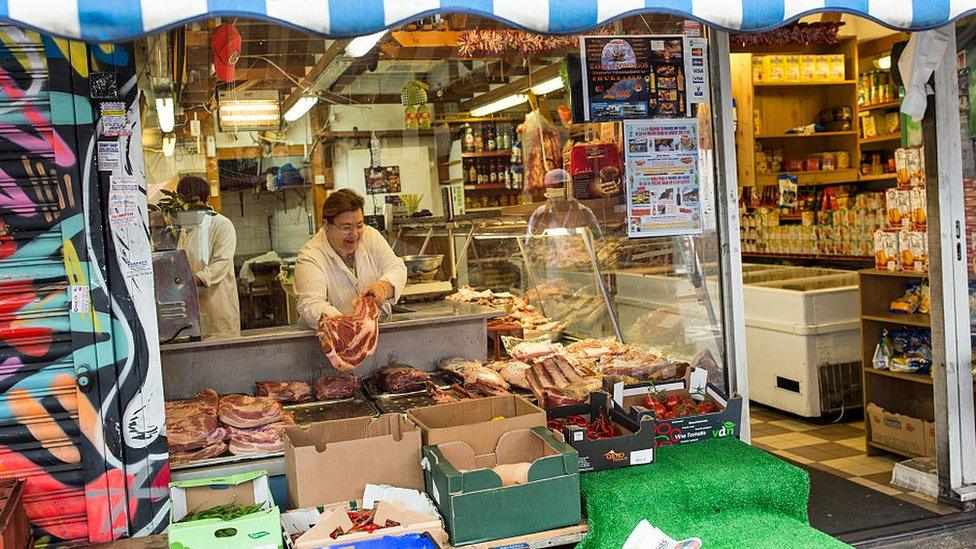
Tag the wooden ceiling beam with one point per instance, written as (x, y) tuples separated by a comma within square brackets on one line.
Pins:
[(312, 76), (515, 86)]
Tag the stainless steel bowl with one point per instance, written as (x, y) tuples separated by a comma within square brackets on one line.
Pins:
[(422, 267)]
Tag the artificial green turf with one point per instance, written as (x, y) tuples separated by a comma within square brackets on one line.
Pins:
[(723, 491)]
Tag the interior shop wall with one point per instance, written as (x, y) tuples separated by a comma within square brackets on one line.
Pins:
[(269, 221), (418, 174)]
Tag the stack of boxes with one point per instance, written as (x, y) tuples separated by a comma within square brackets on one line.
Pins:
[(795, 68), (903, 244)]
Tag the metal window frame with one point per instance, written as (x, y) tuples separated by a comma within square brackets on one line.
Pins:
[(727, 209), (949, 282)]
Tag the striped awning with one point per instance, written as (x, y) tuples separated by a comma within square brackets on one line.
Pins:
[(119, 20)]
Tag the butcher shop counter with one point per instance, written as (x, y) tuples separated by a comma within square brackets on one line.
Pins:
[(418, 334)]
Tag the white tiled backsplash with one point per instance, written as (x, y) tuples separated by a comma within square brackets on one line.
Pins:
[(289, 220)]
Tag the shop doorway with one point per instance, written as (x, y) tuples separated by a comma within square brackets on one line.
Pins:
[(836, 275)]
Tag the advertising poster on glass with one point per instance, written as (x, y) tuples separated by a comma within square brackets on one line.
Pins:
[(635, 77), (661, 168), (382, 179)]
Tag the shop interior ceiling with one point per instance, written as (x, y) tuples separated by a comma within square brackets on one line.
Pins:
[(292, 62)]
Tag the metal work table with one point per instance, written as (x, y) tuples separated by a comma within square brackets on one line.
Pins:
[(418, 334)]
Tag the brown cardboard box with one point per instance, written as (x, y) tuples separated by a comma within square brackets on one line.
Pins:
[(479, 422), (411, 522), (929, 439), (898, 431), (332, 461)]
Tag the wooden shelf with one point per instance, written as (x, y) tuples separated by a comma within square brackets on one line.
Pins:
[(903, 274), (878, 177), (488, 209), (819, 257), (831, 177), (801, 135), (489, 187), (914, 378), (889, 449), (920, 320), (427, 132), (881, 138), (791, 84), (876, 106), (487, 154)]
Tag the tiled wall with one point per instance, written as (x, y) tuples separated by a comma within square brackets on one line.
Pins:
[(288, 211)]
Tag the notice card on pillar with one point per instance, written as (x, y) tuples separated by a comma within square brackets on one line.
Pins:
[(662, 177), (109, 156)]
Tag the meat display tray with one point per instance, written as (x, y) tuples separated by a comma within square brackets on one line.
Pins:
[(226, 459), (402, 404), (438, 378), (312, 412)]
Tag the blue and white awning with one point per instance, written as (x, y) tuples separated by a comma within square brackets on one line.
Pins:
[(118, 20)]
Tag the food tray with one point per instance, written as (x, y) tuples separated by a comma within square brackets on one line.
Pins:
[(226, 459), (313, 412), (402, 404), (438, 378)]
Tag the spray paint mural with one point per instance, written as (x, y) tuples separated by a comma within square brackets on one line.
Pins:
[(81, 406)]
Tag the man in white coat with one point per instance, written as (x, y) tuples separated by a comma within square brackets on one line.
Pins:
[(210, 247), (345, 260)]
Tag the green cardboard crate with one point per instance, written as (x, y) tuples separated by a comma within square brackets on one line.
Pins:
[(259, 530), (476, 507)]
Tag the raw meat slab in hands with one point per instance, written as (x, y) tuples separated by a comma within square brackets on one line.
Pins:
[(349, 340)]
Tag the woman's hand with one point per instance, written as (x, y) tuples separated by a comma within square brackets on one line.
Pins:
[(380, 290)]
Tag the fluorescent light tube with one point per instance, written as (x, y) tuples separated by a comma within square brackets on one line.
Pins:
[(548, 86), (166, 113), (302, 106), (359, 47), (500, 105), (169, 145)]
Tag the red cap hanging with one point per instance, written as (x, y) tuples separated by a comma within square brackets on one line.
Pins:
[(226, 45)]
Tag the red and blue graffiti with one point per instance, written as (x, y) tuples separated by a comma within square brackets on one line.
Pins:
[(79, 389)]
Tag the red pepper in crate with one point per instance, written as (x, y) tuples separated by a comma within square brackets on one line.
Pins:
[(556, 425), (602, 428)]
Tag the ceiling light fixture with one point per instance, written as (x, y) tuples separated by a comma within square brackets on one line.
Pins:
[(165, 112), (506, 102), (359, 47), (302, 106), (248, 111), (169, 145), (884, 63), (548, 86)]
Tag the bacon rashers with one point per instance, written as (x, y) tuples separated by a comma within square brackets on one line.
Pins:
[(349, 340)]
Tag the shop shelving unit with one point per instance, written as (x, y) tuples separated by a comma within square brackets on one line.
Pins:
[(897, 392), (786, 105)]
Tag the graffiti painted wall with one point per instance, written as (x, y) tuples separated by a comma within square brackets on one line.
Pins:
[(80, 396)]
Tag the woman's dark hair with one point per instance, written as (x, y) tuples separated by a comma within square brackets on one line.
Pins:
[(191, 187), (340, 202)]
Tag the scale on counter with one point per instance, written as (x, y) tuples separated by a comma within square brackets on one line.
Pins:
[(421, 272)]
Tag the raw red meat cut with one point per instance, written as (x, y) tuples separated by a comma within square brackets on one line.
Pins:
[(205, 402), (348, 340), (336, 387), (212, 451), (192, 433), (247, 412), (284, 391), (399, 379)]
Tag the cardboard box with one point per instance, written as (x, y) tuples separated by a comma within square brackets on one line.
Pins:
[(479, 422), (681, 430), (929, 438), (475, 504), (897, 431), (332, 461), (336, 516), (630, 448), (260, 530)]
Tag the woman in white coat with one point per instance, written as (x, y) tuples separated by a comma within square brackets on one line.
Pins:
[(210, 247), (345, 260)]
